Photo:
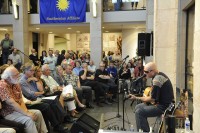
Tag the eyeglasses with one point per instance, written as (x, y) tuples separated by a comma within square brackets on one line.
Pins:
[(31, 70), (147, 71), (15, 75)]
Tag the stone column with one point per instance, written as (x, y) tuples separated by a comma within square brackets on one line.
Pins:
[(165, 37), (149, 23), (50, 42), (196, 94), (96, 33), (20, 30)]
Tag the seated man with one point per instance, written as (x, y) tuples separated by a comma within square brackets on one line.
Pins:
[(77, 68), (7, 130), (92, 67), (103, 77), (7, 126), (13, 105), (30, 90), (75, 82), (87, 79), (53, 85), (112, 71), (162, 95)]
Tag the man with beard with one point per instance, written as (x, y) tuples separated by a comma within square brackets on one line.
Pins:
[(13, 107)]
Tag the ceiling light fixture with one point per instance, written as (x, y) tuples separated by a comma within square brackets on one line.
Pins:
[(37, 28), (15, 9), (3, 29), (69, 28), (94, 8)]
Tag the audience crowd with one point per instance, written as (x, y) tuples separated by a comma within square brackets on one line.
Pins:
[(48, 91)]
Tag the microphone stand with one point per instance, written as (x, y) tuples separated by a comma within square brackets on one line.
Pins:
[(118, 115), (24, 54)]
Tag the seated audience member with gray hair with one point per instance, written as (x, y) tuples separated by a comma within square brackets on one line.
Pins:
[(55, 87), (13, 107), (51, 109)]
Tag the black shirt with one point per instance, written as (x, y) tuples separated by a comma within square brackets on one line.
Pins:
[(100, 72), (126, 75), (34, 58), (162, 91), (88, 74)]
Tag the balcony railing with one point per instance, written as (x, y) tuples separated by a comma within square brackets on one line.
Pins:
[(33, 6), (5, 6)]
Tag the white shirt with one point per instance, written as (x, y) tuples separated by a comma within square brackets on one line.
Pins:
[(51, 83), (92, 68), (15, 58), (51, 61)]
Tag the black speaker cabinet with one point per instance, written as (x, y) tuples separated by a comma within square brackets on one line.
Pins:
[(144, 43), (85, 124)]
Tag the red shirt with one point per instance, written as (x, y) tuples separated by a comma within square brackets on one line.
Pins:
[(8, 91)]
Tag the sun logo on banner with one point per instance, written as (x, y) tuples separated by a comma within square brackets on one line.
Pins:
[(62, 5)]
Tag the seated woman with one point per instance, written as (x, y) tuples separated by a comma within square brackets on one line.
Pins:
[(124, 75)]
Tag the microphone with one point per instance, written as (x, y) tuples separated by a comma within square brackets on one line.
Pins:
[(126, 57), (144, 75)]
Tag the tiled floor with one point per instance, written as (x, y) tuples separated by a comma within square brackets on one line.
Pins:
[(110, 111)]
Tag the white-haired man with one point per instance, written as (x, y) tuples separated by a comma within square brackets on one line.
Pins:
[(13, 107)]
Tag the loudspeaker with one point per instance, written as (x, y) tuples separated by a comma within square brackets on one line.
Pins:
[(144, 43), (85, 124)]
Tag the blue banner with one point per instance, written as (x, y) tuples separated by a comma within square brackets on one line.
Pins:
[(62, 11)]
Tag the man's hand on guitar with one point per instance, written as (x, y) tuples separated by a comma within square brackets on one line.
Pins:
[(132, 97)]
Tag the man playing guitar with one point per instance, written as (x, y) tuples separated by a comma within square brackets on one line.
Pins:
[(162, 95)]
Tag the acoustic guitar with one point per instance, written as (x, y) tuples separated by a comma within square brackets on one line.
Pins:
[(180, 112), (169, 109)]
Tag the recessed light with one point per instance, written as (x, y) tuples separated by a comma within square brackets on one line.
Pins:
[(106, 31), (69, 28), (50, 32), (3, 29), (78, 31), (37, 28), (103, 27)]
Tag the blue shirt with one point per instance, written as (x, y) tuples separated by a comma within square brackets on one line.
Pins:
[(112, 71), (76, 70), (28, 88)]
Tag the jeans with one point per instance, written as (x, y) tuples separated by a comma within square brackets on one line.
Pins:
[(142, 112)]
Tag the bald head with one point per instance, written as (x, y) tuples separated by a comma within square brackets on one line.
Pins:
[(150, 66), (150, 69)]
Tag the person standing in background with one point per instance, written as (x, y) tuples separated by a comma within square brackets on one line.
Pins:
[(34, 57), (16, 59), (6, 47), (43, 56)]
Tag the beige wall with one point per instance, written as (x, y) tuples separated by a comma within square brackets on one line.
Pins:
[(165, 37), (196, 99)]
